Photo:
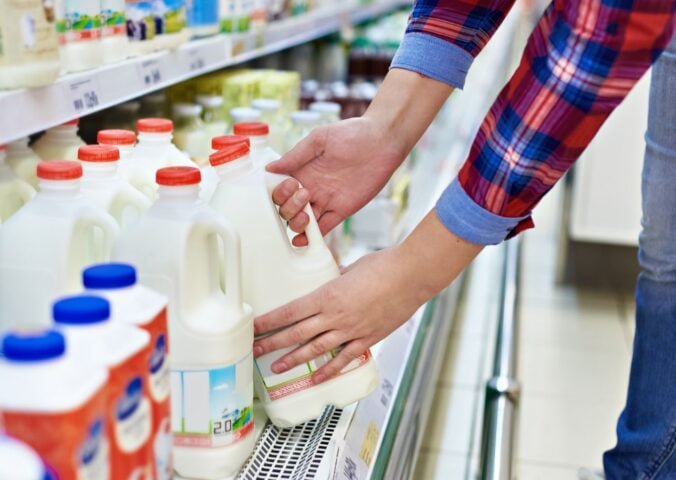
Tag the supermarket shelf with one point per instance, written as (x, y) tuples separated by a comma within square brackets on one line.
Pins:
[(24, 112)]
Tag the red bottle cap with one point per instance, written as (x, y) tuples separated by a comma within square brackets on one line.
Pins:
[(218, 143), (178, 176), (59, 170), (228, 154), (251, 128), (116, 137), (98, 153), (154, 125)]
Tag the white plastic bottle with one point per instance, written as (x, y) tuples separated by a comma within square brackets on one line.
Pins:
[(202, 17), (213, 114), (23, 160), (60, 142), (176, 251), (303, 122), (102, 184), (154, 149), (139, 178), (244, 114), (271, 114), (170, 21), (209, 176), (20, 462), (125, 351), (55, 403), (29, 56), (276, 273), (329, 111), (46, 244), (261, 153), (134, 304), (140, 27), (114, 43), (14, 192), (78, 23), (190, 134)]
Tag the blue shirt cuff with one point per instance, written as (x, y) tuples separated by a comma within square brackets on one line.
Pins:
[(466, 219), (433, 57)]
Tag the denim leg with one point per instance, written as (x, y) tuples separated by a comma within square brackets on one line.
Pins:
[(646, 429)]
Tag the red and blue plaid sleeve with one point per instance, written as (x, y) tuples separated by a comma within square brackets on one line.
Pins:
[(580, 62), (444, 36)]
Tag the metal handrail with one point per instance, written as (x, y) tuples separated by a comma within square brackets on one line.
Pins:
[(502, 389)]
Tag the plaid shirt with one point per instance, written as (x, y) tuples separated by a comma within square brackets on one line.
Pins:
[(580, 62)]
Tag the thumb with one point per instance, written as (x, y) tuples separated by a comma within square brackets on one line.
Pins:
[(303, 153)]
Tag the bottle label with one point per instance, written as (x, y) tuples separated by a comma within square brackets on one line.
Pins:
[(78, 21), (213, 408), (299, 378), (30, 36), (140, 20), (72, 444), (170, 16), (130, 417), (227, 15), (113, 19), (202, 13)]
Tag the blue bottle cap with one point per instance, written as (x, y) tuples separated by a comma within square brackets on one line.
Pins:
[(109, 275), (32, 347), (81, 310)]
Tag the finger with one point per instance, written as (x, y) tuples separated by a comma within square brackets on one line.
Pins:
[(352, 351), (302, 332), (285, 190), (294, 205), (321, 345), (299, 222), (328, 221), (300, 309), (300, 240), (304, 152)]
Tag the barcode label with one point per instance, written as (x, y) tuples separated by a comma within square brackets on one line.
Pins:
[(83, 95)]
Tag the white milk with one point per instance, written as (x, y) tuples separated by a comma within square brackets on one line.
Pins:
[(191, 135), (114, 43), (154, 149), (29, 56), (303, 122), (183, 248), (209, 175), (19, 461), (139, 178), (276, 273), (102, 184), (135, 304), (23, 161), (59, 143), (45, 246), (55, 402), (14, 192), (79, 33), (124, 351), (272, 115), (213, 114), (258, 132)]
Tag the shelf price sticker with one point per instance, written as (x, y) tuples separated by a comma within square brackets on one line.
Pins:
[(83, 95), (150, 72), (195, 60)]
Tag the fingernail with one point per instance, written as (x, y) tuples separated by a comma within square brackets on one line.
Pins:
[(301, 197), (257, 351), (318, 378), (279, 367)]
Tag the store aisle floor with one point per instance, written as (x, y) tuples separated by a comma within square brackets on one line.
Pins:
[(574, 356)]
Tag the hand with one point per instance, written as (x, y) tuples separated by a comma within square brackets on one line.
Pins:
[(341, 168)]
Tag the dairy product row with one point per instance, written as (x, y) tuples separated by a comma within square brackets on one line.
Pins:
[(41, 40)]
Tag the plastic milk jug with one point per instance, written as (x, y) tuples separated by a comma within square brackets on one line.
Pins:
[(261, 153), (213, 114), (55, 403), (209, 175), (183, 249), (14, 192), (102, 184), (59, 143), (124, 350), (45, 246), (20, 462), (154, 149), (191, 135), (23, 161), (138, 177), (276, 273), (271, 114), (134, 304)]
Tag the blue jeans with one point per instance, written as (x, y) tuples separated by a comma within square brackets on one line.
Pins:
[(646, 429)]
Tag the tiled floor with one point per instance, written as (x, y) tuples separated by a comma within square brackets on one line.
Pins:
[(574, 358)]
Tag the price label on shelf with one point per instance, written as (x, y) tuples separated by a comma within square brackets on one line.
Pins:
[(151, 72), (83, 95), (195, 59)]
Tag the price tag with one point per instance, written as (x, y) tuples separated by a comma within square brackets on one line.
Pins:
[(195, 59), (151, 72), (83, 95)]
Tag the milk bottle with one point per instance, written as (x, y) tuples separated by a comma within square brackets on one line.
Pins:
[(55, 403), (102, 184), (213, 114), (244, 114), (60, 142), (135, 304), (154, 149), (115, 44), (138, 177), (303, 122), (170, 22), (140, 27), (20, 462), (190, 135), (23, 161), (271, 114), (329, 111), (209, 175), (261, 153), (202, 17), (124, 351), (276, 273), (78, 23), (46, 244), (14, 192), (183, 248)]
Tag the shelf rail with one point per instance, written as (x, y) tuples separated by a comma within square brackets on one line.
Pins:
[(502, 389)]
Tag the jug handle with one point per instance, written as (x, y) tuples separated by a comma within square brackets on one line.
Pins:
[(315, 238), (26, 192), (232, 265), (90, 216), (135, 199)]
